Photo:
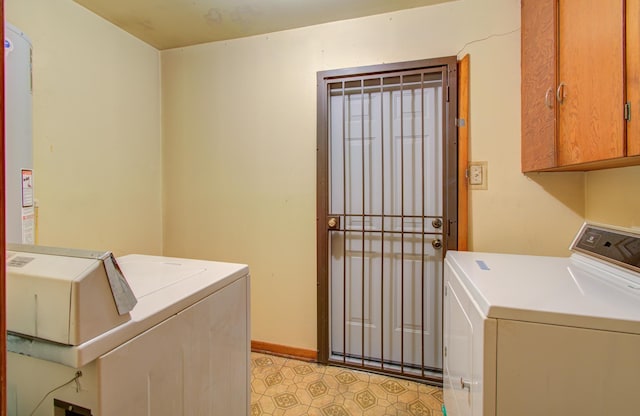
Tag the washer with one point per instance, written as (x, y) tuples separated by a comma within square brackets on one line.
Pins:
[(180, 347), (532, 335)]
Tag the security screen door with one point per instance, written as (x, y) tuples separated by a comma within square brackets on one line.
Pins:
[(386, 221)]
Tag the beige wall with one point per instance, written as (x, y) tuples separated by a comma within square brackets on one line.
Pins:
[(239, 136), (613, 197), (238, 144), (533, 214), (96, 113)]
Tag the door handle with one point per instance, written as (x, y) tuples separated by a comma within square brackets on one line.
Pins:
[(436, 243), (547, 98), (333, 223), (560, 93)]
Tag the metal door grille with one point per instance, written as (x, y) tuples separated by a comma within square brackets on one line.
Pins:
[(383, 215)]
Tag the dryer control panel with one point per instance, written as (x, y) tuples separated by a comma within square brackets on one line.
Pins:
[(617, 246)]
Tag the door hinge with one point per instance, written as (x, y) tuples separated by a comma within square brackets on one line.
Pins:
[(627, 111), (460, 122), (445, 290), (445, 351)]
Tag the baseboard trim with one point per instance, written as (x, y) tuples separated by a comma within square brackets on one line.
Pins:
[(284, 351)]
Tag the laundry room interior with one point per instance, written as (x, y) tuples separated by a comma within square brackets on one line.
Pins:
[(208, 150)]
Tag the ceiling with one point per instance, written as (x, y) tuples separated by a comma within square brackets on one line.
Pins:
[(167, 24)]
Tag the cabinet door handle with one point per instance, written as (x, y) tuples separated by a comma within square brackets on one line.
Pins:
[(547, 98), (560, 93)]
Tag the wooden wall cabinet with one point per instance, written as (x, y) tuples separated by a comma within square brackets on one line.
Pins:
[(578, 83)]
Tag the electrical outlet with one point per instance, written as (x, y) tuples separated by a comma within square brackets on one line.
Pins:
[(477, 175)]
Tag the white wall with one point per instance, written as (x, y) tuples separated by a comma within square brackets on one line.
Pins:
[(239, 133), (96, 113)]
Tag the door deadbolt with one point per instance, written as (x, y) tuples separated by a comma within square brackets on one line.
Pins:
[(436, 243), (437, 223), (333, 223)]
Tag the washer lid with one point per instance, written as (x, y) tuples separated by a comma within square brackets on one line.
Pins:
[(575, 291)]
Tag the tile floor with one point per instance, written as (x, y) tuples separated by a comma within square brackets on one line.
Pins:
[(287, 387)]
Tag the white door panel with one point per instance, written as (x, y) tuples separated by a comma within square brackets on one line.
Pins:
[(386, 164)]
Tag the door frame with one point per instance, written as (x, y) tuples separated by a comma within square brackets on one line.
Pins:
[(450, 174)]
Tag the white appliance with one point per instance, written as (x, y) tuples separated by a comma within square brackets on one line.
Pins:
[(80, 344), (532, 335), (19, 183)]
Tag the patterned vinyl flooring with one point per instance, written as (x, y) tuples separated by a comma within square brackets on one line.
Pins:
[(287, 387)]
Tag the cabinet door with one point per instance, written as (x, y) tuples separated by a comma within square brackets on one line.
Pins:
[(633, 76), (538, 84), (591, 81)]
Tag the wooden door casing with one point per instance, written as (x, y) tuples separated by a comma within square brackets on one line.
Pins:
[(463, 151)]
